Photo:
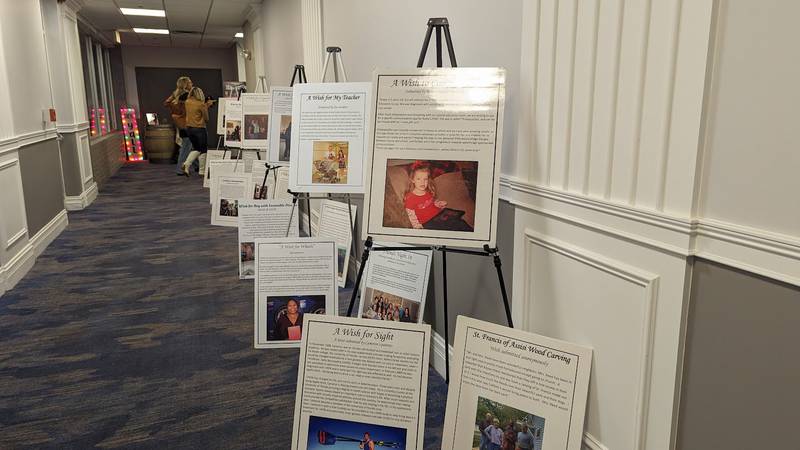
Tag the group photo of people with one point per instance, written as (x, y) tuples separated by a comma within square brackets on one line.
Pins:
[(229, 208), (330, 162), (255, 126), (502, 427), (384, 306)]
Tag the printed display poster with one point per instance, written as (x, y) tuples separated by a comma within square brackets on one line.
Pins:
[(282, 183), (329, 137), (222, 167), (233, 123), (295, 280), (234, 88), (231, 189), (221, 115), (262, 183), (433, 174), (539, 383), (255, 123), (280, 125), (259, 219), (395, 284), (361, 384), (211, 155), (334, 222), (251, 157)]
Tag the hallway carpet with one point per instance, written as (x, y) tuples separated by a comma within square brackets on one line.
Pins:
[(133, 331)]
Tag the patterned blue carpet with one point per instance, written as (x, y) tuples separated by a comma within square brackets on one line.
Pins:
[(134, 331)]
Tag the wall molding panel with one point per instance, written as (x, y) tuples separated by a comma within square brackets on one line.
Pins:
[(15, 142), (49, 233), (313, 49), (79, 202)]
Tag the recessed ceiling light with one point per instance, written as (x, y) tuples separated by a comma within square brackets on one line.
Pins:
[(143, 12), (151, 30), (239, 35)]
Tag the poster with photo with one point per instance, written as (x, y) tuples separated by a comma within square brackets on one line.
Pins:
[(329, 137), (233, 88), (221, 114), (219, 167), (211, 155), (395, 284), (280, 125), (433, 173), (335, 222), (260, 219), (255, 120), (231, 189), (233, 123), (361, 384), (295, 279), (539, 388)]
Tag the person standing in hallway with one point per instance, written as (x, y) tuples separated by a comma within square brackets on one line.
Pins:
[(176, 103), (196, 119)]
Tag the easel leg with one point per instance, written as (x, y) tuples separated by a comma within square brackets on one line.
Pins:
[(364, 257), (308, 215), (446, 317), (352, 226), (497, 265)]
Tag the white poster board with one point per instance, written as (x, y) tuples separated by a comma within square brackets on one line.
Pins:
[(361, 380), (395, 284), (231, 189), (334, 223), (255, 121), (221, 114), (211, 155), (539, 381), (280, 125), (329, 131), (282, 183), (233, 123), (434, 168), (294, 276), (260, 219), (220, 167)]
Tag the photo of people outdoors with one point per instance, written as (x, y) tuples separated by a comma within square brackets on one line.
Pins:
[(233, 130), (255, 126), (286, 138), (501, 427), (247, 253), (330, 162), (228, 208), (326, 433), (285, 315), (384, 306), (430, 194)]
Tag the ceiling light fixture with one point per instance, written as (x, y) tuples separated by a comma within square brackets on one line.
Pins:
[(239, 35), (151, 30), (143, 12)]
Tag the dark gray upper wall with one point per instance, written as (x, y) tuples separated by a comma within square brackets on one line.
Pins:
[(70, 163), (42, 184), (741, 385)]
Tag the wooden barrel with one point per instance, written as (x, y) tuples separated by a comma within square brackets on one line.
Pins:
[(159, 143)]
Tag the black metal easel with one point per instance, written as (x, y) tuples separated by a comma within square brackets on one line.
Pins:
[(299, 74), (439, 23)]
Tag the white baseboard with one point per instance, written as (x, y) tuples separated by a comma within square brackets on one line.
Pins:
[(79, 202), (49, 232), (16, 268)]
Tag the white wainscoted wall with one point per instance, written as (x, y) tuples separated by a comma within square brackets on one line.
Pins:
[(638, 139)]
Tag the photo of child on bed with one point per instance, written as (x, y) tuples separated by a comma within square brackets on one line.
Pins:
[(436, 195)]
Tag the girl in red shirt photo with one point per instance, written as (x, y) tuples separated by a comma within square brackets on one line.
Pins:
[(424, 210)]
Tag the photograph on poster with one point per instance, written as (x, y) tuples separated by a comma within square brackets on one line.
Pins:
[(247, 258), (233, 123), (535, 379), (496, 423), (330, 162), (329, 129), (255, 126), (430, 194), (280, 125), (386, 306), (234, 88), (229, 207), (285, 315), (434, 170), (327, 433)]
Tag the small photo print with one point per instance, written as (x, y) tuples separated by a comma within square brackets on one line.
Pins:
[(379, 305), (285, 315), (325, 433), (255, 126), (430, 194), (497, 424), (286, 138), (330, 162), (233, 130), (228, 208), (341, 254), (247, 254)]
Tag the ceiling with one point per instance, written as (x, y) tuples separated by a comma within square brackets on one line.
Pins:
[(192, 23)]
